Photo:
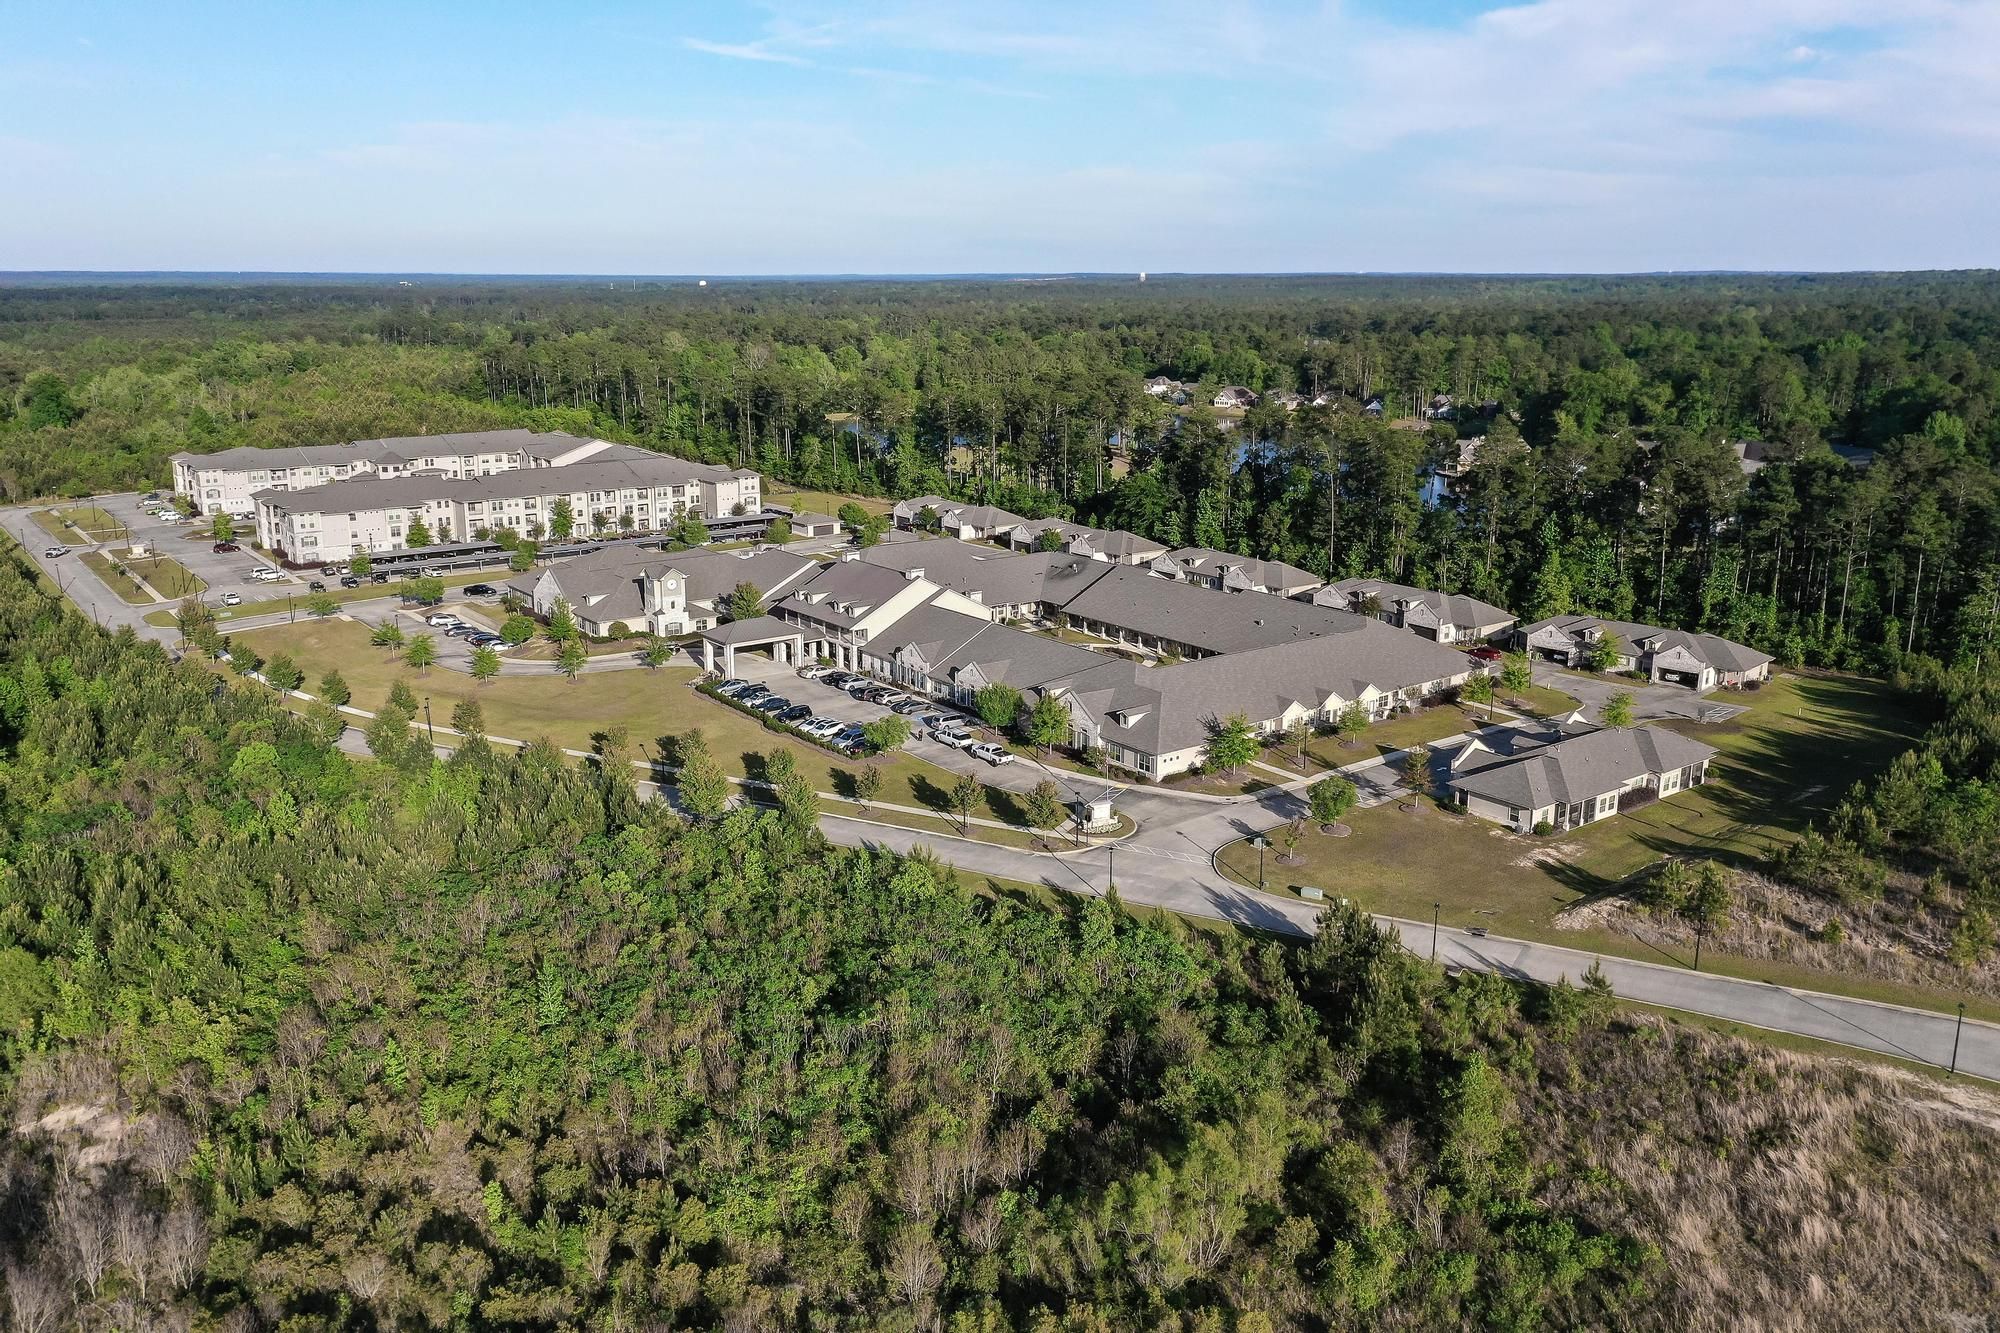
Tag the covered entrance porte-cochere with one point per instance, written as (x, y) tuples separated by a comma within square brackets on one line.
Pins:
[(719, 645)]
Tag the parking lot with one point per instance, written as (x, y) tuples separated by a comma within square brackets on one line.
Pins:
[(192, 545), (827, 701)]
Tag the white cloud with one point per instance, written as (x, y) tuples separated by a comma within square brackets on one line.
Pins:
[(759, 51)]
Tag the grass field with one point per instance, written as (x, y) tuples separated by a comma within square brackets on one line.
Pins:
[(821, 502), (1783, 763), (107, 569), (99, 525), (167, 576), (46, 520), (648, 704)]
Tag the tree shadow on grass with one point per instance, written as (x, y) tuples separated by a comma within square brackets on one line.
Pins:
[(929, 795), (844, 784), (1006, 807)]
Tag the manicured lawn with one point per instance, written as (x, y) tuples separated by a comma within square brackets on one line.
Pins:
[(1541, 700), (46, 520), (106, 568), (101, 526), (1783, 763), (1399, 733), (167, 576), (648, 704)]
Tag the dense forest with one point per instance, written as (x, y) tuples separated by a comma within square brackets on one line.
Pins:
[(294, 1040), (1608, 408)]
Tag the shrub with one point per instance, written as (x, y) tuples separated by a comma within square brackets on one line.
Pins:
[(1543, 828)]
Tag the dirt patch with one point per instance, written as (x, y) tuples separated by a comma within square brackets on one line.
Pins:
[(1547, 853)]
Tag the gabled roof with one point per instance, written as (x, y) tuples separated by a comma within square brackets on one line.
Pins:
[(1450, 608), (397, 449), (1133, 598), (368, 492), (997, 578), (1112, 542), (1160, 710), (1214, 564), (1577, 767), (606, 584), (1720, 653), (845, 592)]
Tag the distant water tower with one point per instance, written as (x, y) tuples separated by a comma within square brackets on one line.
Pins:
[(1142, 275)]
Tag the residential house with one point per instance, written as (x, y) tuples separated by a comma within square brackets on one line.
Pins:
[(1286, 399), (1119, 548), (956, 518), (1234, 396), (1233, 573), (1569, 776), (1664, 656), (1447, 617)]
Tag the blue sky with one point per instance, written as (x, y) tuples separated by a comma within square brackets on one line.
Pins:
[(935, 136)]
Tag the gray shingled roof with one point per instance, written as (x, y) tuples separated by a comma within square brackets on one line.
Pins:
[(999, 578), (1450, 607), (613, 575), (1265, 573), (1116, 544), (1174, 706), (394, 449), (1578, 767), (366, 492), (851, 583), (1205, 618), (1720, 653)]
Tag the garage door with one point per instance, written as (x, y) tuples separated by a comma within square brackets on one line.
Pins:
[(1688, 678)]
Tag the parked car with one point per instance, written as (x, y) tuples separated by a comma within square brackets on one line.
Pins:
[(821, 727), (480, 590), (772, 703), (956, 737), (150, 496), (1485, 652), (814, 672), (441, 619), (910, 707), (317, 585), (328, 570), (734, 685), (266, 574), (55, 551), (232, 599), (991, 753), (461, 630), (796, 713), (378, 577), (840, 680), (224, 548), (349, 581)]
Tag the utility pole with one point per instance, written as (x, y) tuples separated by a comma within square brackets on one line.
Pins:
[(1957, 1032), (1700, 932), (1435, 909), (427, 722)]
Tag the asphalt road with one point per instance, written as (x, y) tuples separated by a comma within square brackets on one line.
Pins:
[(1168, 862)]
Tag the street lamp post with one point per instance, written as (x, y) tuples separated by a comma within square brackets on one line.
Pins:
[(1262, 842), (1700, 933), (427, 721), (1435, 909), (1957, 1032), (1110, 865)]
